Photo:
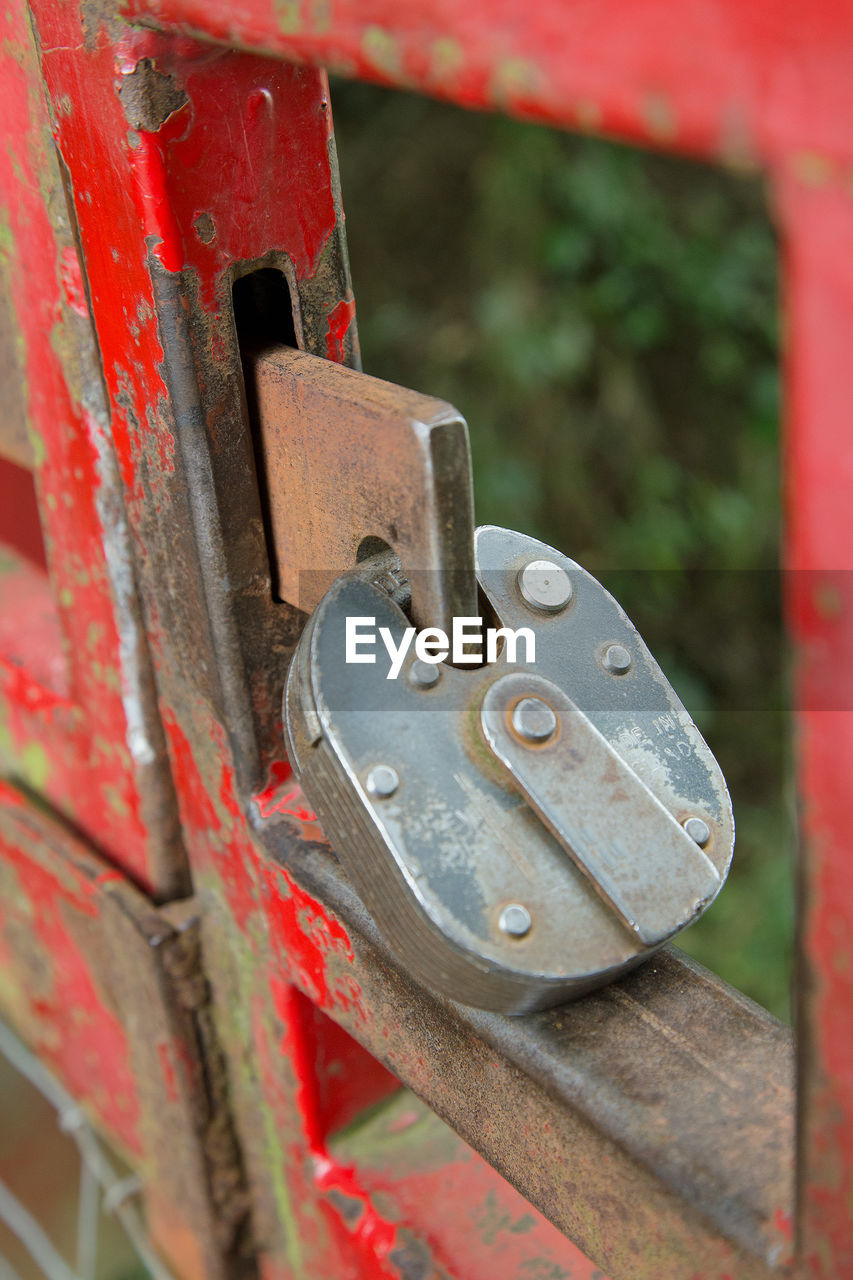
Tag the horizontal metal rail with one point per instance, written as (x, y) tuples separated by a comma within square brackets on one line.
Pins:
[(652, 1122)]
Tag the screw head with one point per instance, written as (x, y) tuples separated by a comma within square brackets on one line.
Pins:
[(533, 720), (423, 675), (382, 781), (698, 830), (515, 920), (616, 659), (545, 586)]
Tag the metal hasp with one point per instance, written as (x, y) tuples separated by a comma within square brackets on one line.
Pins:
[(351, 462), (507, 885)]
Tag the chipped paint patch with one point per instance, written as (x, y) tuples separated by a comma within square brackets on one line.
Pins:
[(34, 765), (811, 169), (446, 57), (514, 79), (658, 114), (288, 16), (205, 228), (149, 97), (7, 239), (341, 317), (308, 937), (71, 278), (382, 51), (320, 12)]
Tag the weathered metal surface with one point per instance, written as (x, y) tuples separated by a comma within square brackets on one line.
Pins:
[(191, 214), (653, 1121), (347, 459), (406, 1159), (111, 994), (240, 175), (818, 221), (739, 83), (183, 446), (81, 729)]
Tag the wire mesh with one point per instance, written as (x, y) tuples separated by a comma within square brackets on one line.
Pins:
[(104, 1190)]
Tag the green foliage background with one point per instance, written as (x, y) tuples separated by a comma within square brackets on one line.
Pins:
[(606, 319)]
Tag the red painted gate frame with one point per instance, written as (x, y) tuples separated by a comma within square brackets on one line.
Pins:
[(139, 687)]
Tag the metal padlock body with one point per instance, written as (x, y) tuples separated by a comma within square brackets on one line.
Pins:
[(438, 861)]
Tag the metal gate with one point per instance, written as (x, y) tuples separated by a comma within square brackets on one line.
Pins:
[(179, 946)]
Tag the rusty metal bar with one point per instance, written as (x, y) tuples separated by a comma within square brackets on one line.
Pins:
[(652, 1122)]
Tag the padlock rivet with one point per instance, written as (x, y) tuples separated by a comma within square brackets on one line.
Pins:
[(698, 830), (382, 781), (423, 675), (533, 720), (545, 586), (616, 659), (515, 920)]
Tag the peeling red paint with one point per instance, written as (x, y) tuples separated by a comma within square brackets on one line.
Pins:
[(9, 797), (228, 791), (306, 934), (224, 844), (61, 665), (109, 877), (127, 186), (26, 694), (148, 164), (818, 225), (77, 1033), (72, 281), (469, 1221), (280, 772), (371, 1239), (298, 1047), (340, 318), (730, 78), (167, 1066), (326, 1256), (336, 1079), (173, 166), (197, 808), (279, 797)]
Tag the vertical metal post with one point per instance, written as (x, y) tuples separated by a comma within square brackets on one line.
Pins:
[(817, 216)]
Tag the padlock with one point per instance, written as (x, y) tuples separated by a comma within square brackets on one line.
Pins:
[(525, 829)]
